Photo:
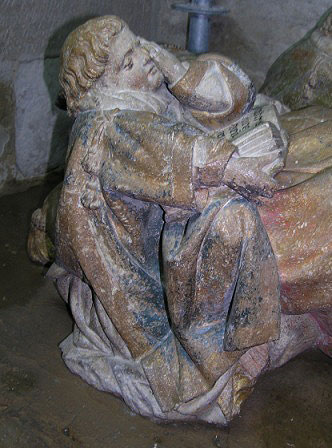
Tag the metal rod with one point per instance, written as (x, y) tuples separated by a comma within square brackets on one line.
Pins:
[(199, 22), (199, 29)]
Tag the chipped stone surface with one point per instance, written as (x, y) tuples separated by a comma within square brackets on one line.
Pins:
[(160, 249), (302, 241), (253, 37), (290, 404)]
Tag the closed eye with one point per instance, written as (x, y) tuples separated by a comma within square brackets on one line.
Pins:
[(128, 63)]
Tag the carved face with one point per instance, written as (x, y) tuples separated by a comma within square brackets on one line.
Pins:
[(130, 65)]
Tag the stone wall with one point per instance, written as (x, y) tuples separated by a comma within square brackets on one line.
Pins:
[(254, 33), (34, 134)]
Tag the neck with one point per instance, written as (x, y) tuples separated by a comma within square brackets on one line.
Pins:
[(105, 98)]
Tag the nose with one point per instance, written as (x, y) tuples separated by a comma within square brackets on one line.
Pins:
[(146, 56)]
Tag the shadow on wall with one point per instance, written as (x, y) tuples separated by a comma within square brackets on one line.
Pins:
[(7, 134), (228, 39), (61, 123)]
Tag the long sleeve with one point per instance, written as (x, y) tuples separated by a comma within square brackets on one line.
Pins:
[(205, 86), (154, 159), (215, 90)]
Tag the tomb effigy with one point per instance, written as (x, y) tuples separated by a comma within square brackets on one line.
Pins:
[(192, 238)]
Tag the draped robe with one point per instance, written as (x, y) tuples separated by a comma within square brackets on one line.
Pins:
[(173, 286)]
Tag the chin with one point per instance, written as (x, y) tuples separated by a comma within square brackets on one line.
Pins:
[(152, 82), (156, 80)]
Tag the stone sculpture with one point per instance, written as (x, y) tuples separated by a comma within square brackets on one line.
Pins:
[(301, 76), (175, 184)]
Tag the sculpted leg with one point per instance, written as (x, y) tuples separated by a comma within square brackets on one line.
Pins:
[(222, 285)]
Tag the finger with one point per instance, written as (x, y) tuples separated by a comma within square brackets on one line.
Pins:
[(153, 49), (270, 157), (248, 193), (274, 167), (269, 188), (148, 43)]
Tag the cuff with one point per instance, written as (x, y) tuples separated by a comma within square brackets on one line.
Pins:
[(210, 158), (184, 89)]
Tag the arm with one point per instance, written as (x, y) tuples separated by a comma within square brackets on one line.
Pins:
[(154, 159), (217, 92), (212, 87)]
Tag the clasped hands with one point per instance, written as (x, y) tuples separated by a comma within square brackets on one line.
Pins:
[(250, 176), (254, 176)]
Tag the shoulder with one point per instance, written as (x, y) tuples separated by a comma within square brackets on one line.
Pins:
[(86, 125)]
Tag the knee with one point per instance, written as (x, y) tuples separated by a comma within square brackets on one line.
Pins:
[(238, 218)]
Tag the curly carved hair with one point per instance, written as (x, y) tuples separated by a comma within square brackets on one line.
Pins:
[(84, 56)]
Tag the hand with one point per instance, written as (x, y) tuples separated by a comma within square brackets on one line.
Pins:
[(253, 176), (168, 64)]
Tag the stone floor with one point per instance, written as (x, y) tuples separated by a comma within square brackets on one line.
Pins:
[(43, 405)]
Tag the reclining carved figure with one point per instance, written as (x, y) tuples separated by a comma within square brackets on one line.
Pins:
[(164, 222)]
